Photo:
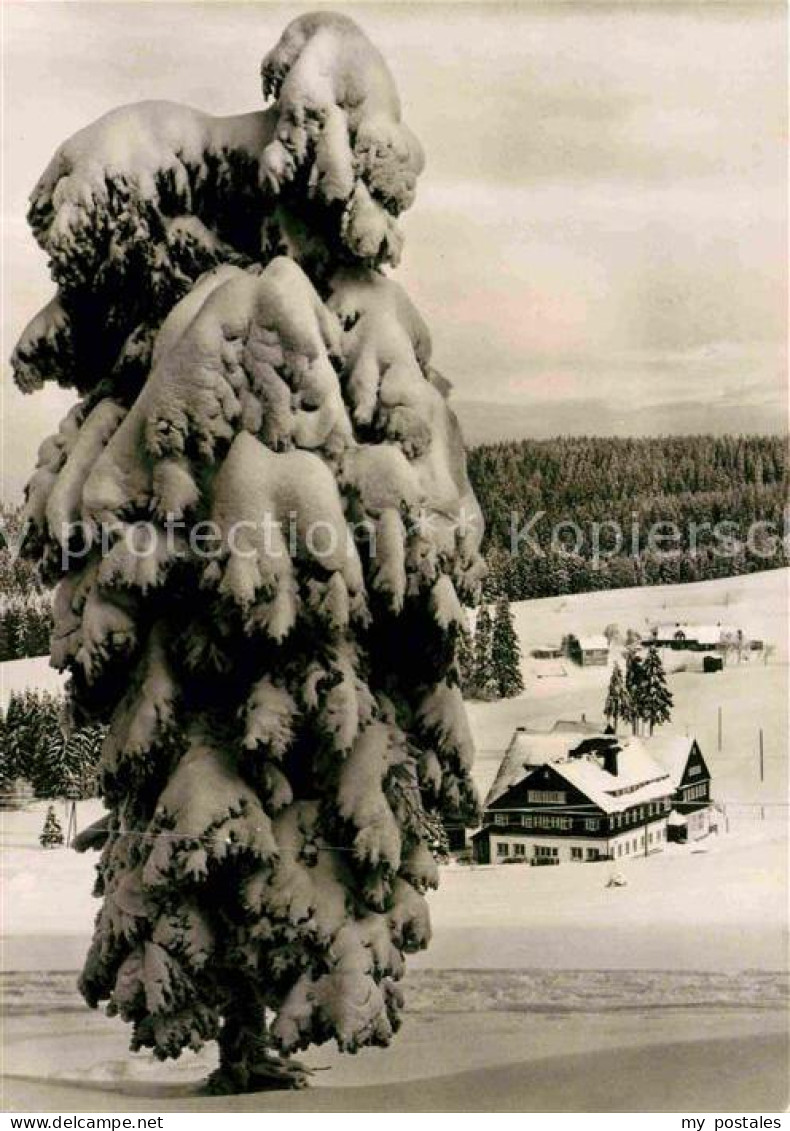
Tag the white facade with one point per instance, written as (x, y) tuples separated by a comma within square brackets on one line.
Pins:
[(701, 822), (577, 849)]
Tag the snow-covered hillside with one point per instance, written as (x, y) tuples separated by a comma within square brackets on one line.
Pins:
[(752, 695)]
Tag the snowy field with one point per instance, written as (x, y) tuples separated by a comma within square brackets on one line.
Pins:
[(681, 971)]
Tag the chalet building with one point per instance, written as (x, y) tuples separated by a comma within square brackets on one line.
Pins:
[(589, 650), (696, 637), (691, 782), (570, 796), (606, 799)]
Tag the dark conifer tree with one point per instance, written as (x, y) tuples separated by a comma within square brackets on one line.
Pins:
[(505, 653), (617, 701), (466, 660), (483, 685), (634, 679)]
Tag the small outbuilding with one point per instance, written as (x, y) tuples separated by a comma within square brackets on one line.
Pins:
[(589, 651)]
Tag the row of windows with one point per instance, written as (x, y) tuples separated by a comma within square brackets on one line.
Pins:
[(505, 849), (625, 848), (633, 816), (579, 854), (546, 797), (534, 821), (591, 824), (695, 792)]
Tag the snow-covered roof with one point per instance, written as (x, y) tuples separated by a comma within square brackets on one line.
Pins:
[(593, 643), (708, 634), (670, 751), (530, 748), (639, 778), (669, 631)]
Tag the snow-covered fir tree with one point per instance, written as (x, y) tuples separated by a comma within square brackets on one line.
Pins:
[(634, 679), (505, 653), (52, 833), (483, 682), (617, 704), (283, 711), (655, 699)]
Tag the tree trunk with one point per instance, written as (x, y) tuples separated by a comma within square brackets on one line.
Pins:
[(247, 1061)]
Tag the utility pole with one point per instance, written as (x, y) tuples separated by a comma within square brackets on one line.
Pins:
[(762, 772), (762, 760), (719, 728)]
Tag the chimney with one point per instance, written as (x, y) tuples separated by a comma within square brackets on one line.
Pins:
[(611, 752)]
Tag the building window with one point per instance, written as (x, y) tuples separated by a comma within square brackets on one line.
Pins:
[(694, 771), (526, 821), (502, 849), (501, 818), (576, 854), (545, 850), (627, 849), (551, 821), (592, 854), (546, 797), (592, 824), (519, 850)]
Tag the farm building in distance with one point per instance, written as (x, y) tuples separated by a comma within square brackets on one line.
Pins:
[(546, 652), (571, 796), (697, 637), (589, 650)]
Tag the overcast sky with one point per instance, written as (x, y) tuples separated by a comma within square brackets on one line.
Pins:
[(598, 241)]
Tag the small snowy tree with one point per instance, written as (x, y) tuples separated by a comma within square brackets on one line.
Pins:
[(617, 704), (505, 653), (52, 833), (283, 709), (483, 681), (655, 697)]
